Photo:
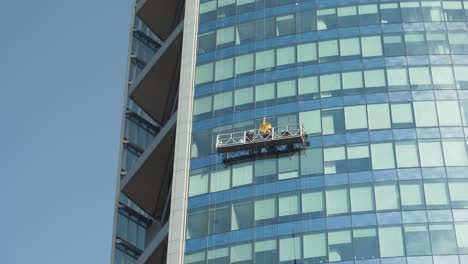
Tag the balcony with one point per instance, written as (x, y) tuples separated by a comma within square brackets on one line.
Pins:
[(155, 251), (155, 89), (147, 183), (160, 16)]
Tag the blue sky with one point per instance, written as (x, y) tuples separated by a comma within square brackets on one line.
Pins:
[(62, 75)]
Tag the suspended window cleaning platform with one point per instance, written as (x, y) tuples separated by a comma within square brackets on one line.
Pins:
[(266, 139)]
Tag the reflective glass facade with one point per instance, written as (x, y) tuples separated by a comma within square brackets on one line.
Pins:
[(381, 88)]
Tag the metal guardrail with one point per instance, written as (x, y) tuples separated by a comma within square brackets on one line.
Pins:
[(253, 138)]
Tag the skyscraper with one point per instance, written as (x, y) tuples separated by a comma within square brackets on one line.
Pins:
[(298, 131)]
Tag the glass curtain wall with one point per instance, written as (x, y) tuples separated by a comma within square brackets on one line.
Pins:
[(381, 89)]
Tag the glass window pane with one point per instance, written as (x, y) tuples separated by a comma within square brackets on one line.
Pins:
[(198, 184), (242, 174), (132, 232), (371, 46), (359, 158), (458, 193), (244, 2), (311, 162), (241, 253), (462, 237), (220, 219), (417, 240), (202, 105), (265, 92), (442, 77), (386, 196), (425, 114), (390, 13), (265, 59), (382, 156), (222, 100), (436, 194), (393, 45), (315, 248), (397, 79), (286, 89), (223, 3), (461, 75), (311, 121), (337, 200), (245, 32), (391, 242), (334, 160), (420, 78), (415, 44), (437, 43), (244, 63), (406, 154), (265, 168), (366, 244), (122, 226), (340, 246), (369, 14), (328, 50), (195, 258), (333, 121), (285, 25), (288, 204), (220, 180), (265, 209), (379, 116), (266, 252), (431, 153), (288, 166), (290, 248), (455, 153), (308, 87), (313, 203), (265, 28), (329, 83), (449, 113), (458, 41), (204, 73), (443, 239), (374, 79), (225, 36), (197, 223), (242, 215), (350, 47), (402, 115), (432, 11), (411, 11), (412, 195), (464, 111), (307, 52), (352, 80), (224, 69), (201, 144), (285, 56), (218, 255), (355, 117), (362, 198), (347, 16), (243, 96), (306, 21), (326, 18)]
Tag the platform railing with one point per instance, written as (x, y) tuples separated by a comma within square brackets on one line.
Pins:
[(251, 138)]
